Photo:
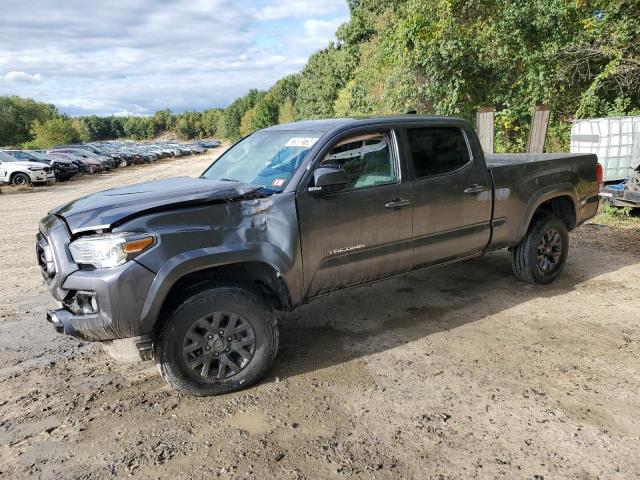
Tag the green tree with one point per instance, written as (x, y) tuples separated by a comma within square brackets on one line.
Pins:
[(211, 121), (325, 74), (17, 116), (163, 120), (138, 128), (286, 112), (247, 122), (56, 131), (232, 116), (188, 125)]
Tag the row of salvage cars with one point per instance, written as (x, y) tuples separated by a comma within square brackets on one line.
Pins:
[(26, 167)]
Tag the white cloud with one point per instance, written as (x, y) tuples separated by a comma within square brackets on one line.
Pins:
[(113, 56), (14, 76), (319, 30), (281, 9)]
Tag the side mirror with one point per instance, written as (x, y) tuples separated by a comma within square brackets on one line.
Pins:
[(326, 177)]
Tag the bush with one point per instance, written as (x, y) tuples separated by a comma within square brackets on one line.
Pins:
[(56, 131)]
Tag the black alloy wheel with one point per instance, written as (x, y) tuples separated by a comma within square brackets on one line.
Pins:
[(219, 345)]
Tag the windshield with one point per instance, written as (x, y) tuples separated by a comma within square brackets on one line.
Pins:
[(266, 159)]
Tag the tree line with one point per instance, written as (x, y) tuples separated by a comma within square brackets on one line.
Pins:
[(448, 57)]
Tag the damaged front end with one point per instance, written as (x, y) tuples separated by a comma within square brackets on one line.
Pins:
[(118, 302)]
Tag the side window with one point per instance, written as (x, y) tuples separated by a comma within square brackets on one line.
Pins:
[(437, 150), (366, 159)]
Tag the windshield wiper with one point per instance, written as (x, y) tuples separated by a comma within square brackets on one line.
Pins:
[(258, 192)]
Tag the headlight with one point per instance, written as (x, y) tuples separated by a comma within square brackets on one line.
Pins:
[(35, 169), (109, 250)]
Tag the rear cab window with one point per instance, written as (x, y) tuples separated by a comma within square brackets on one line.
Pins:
[(437, 150)]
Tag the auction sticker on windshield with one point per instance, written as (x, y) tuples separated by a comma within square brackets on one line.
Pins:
[(306, 142)]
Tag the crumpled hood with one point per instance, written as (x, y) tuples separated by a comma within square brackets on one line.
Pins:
[(106, 209)]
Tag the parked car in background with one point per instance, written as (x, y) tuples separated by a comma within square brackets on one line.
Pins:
[(21, 172), (209, 143), (63, 169), (23, 156), (106, 162), (63, 162), (86, 165), (101, 151)]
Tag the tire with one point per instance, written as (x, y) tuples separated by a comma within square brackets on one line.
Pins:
[(20, 179), (547, 238), (123, 163), (225, 366)]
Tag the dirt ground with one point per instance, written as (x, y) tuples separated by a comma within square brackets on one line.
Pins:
[(456, 373)]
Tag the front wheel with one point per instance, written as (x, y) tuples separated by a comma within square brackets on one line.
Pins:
[(217, 341), (20, 179), (540, 256)]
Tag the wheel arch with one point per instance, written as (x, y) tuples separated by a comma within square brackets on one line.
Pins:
[(562, 202), (189, 277)]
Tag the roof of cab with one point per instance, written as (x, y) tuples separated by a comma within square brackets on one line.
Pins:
[(325, 125)]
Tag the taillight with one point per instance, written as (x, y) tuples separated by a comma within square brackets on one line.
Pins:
[(599, 176)]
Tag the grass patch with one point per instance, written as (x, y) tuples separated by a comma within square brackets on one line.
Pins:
[(619, 217)]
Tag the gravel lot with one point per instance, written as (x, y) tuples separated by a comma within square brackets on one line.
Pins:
[(461, 372)]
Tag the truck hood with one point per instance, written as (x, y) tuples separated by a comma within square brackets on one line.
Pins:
[(104, 210)]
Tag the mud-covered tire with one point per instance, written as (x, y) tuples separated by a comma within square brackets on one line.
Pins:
[(525, 257), (193, 325)]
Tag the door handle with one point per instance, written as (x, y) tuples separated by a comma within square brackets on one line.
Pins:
[(397, 203), (474, 189)]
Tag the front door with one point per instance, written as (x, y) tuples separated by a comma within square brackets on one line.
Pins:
[(358, 231)]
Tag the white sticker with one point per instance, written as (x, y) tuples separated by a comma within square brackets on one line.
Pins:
[(301, 142)]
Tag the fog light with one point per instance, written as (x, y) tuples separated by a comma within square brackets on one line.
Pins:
[(87, 302)]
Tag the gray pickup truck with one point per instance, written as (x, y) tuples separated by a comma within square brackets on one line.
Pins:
[(189, 271)]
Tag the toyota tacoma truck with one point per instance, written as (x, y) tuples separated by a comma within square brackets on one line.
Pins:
[(189, 271)]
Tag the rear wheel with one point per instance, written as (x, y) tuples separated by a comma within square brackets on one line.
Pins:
[(541, 254), (217, 341), (20, 179)]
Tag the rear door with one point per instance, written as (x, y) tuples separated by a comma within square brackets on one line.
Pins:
[(360, 231), (452, 196)]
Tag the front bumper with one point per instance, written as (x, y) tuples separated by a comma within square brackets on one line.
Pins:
[(39, 177), (120, 292), (125, 350)]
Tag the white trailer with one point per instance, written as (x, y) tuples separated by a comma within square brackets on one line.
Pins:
[(615, 140)]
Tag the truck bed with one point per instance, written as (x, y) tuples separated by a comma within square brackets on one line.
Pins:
[(518, 179)]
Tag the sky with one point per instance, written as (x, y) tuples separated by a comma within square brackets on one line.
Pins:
[(134, 57)]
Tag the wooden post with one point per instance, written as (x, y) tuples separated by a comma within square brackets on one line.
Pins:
[(485, 127), (538, 131)]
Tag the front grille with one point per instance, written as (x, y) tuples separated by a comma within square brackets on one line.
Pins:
[(47, 169), (45, 258)]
